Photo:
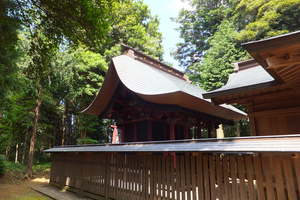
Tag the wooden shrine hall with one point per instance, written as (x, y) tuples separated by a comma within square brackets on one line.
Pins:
[(163, 119), (151, 102)]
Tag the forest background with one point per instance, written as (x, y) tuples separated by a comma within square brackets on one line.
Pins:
[(54, 56)]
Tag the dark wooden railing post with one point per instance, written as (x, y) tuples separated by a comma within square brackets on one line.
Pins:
[(106, 181)]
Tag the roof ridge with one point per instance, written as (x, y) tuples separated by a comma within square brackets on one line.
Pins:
[(246, 64), (138, 55)]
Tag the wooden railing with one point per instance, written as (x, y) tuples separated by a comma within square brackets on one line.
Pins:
[(180, 176)]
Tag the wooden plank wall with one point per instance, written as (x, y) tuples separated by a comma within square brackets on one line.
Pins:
[(184, 176)]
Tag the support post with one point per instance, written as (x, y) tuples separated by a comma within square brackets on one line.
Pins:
[(212, 130), (149, 130), (172, 130), (186, 132), (135, 133), (238, 130), (198, 133), (172, 137), (122, 134)]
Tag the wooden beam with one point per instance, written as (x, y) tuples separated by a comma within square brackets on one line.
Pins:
[(278, 111), (263, 94), (277, 62)]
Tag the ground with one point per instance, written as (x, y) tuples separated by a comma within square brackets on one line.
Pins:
[(12, 187)]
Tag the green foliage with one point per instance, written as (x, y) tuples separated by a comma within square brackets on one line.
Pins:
[(77, 21), (212, 72), (260, 19), (82, 71), (8, 166), (86, 141), (57, 53), (41, 167), (134, 25), (13, 167), (196, 26), (213, 31), (9, 25), (210, 46), (2, 165)]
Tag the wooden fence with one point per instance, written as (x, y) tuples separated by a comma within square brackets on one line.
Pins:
[(184, 176)]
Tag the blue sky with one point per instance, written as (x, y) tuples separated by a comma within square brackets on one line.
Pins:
[(165, 10)]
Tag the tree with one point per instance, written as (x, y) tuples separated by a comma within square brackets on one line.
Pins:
[(62, 52), (85, 21), (212, 72), (209, 49), (9, 25), (41, 52), (79, 74), (264, 19), (197, 25)]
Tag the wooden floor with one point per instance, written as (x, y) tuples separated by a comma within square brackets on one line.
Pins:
[(57, 194)]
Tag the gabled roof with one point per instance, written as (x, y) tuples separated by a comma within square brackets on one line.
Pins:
[(156, 83)]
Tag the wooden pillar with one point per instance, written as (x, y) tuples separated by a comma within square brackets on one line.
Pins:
[(186, 132), (122, 134), (198, 133), (238, 129), (135, 132), (172, 130), (212, 130), (220, 131), (252, 120), (149, 130), (172, 137), (253, 131)]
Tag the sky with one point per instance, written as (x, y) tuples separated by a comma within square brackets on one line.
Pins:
[(165, 10)]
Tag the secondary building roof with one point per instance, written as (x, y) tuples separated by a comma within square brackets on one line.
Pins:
[(275, 67), (157, 83), (245, 79)]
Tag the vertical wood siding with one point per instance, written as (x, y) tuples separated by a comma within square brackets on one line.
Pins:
[(186, 176)]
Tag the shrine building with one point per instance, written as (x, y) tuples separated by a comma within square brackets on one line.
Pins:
[(151, 101)]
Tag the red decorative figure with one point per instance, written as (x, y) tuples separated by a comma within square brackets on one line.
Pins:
[(115, 138)]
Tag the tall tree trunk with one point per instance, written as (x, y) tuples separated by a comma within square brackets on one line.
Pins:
[(67, 123), (17, 153), (23, 152), (25, 147), (33, 136), (63, 127), (7, 151)]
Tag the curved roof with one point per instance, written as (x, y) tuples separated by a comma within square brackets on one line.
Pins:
[(157, 86)]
